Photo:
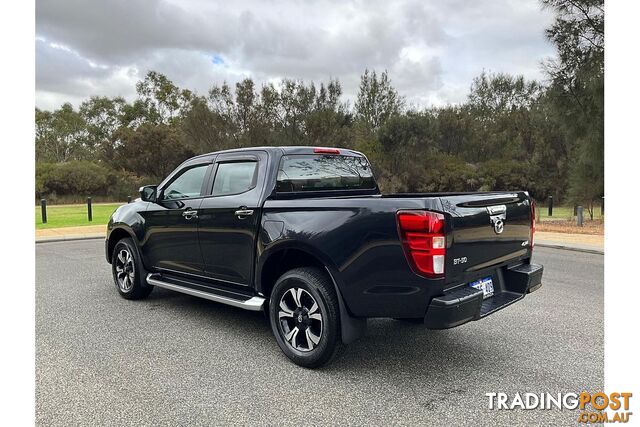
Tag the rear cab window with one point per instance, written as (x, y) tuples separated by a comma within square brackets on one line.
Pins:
[(321, 172)]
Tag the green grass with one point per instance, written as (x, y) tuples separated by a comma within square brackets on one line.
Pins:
[(565, 212), (74, 215)]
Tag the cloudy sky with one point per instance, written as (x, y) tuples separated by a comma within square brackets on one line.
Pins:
[(431, 48)]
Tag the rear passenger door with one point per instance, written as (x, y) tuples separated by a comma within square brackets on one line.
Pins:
[(230, 216)]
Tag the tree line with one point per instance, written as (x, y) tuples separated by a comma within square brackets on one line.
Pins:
[(510, 133)]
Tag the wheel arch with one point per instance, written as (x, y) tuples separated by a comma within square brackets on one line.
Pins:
[(115, 236), (284, 257), (288, 257)]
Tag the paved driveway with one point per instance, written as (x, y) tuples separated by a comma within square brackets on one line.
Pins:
[(178, 360)]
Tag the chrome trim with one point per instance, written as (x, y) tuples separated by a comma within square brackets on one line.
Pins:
[(252, 304), (496, 210), (190, 214), (497, 217), (243, 213)]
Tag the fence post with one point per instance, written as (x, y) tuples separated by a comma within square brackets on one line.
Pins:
[(575, 210), (602, 207), (89, 212), (128, 199), (580, 216), (43, 208), (550, 205)]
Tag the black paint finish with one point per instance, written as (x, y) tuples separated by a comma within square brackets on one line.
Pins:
[(353, 234)]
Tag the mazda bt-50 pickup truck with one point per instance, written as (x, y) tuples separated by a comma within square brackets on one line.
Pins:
[(305, 235)]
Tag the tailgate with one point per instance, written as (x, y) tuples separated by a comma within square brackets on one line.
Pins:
[(486, 229)]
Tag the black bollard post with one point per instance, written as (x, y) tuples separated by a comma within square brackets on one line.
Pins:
[(43, 208), (550, 205), (89, 212), (602, 207), (128, 199)]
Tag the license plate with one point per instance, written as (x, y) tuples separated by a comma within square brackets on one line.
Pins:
[(485, 285)]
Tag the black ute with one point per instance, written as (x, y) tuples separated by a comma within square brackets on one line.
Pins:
[(304, 235)]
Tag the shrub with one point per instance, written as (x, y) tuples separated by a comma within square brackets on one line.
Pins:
[(78, 179), (503, 175), (444, 173)]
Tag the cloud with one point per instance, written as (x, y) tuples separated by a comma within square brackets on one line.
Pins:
[(432, 49), (63, 75), (118, 31)]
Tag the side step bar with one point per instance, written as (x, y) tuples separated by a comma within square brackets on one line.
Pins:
[(251, 304)]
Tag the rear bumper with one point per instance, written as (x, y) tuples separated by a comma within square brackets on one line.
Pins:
[(464, 303)]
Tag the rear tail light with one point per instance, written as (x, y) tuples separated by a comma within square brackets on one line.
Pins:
[(533, 222), (423, 238)]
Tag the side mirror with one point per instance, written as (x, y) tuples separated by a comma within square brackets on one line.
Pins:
[(148, 193)]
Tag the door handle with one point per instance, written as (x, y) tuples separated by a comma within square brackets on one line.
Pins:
[(190, 214), (243, 212)]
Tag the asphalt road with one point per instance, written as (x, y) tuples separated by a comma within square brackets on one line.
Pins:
[(178, 360)]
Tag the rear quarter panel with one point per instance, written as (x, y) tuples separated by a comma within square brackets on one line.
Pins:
[(357, 239)]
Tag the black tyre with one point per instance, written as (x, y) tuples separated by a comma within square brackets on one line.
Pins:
[(128, 271), (305, 316)]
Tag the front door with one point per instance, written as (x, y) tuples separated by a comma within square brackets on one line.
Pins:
[(171, 241), (229, 218)]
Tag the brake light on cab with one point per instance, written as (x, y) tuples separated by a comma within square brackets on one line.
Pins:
[(424, 242), (322, 150)]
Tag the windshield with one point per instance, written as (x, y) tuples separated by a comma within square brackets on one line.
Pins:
[(312, 172)]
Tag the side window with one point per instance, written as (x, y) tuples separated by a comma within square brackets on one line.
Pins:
[(187, 184), (235, 178)]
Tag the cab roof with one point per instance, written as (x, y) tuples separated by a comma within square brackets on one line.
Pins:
[(285, 150)]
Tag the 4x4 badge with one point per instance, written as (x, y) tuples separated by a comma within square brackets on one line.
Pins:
[(497, 217)]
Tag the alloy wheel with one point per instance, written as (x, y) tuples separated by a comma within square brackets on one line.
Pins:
[(125, 270), (300, 319)]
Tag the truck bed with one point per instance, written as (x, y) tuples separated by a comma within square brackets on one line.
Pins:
[(359, 241)]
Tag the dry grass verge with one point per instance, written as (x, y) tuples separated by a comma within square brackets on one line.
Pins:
[(569, 226)]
